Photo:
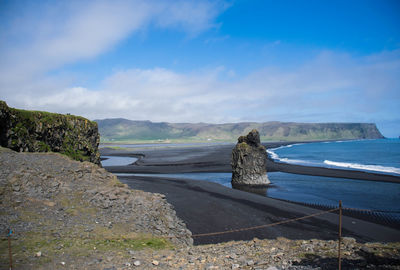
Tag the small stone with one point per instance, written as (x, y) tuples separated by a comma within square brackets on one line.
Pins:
[(365, 249), (127, 264), (280, 254), (154, 262), (38, 254), (62, 263), (272, 268), (249, 263), (235, 266), (137, 263), (349, 240)]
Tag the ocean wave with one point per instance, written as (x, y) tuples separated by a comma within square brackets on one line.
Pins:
[(272, 154), (296, 161), (276, 157), (376, 168)]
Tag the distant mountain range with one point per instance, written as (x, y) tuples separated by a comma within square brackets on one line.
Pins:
[(123, 130)]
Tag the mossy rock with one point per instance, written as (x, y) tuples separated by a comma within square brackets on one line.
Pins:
[(38, 131)]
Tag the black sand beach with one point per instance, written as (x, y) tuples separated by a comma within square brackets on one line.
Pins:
[(216, 158), (209, 207)]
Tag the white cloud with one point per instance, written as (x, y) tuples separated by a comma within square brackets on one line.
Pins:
[(332, 87), (56, 34)]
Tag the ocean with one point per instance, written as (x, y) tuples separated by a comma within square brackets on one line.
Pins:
[(380, 156)]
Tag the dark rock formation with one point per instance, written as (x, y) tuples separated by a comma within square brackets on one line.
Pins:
[(34, 131), (249, 161)]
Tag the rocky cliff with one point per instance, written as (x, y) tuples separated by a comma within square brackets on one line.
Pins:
[(249, 161), (74, 215), (35, 131)]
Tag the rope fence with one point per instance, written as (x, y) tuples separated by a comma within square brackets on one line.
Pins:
[(293, 220), (372, 210), (266, 225), (340, 210)]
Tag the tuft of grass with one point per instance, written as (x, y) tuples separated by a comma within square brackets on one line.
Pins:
[(116, 183), (307, 255), (29, 243), (75, 205)]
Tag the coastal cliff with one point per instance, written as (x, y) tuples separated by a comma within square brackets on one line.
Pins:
[(249, 161), (123, 130), (36, 131)]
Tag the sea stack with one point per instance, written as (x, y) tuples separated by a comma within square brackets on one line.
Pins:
[(248, 162)]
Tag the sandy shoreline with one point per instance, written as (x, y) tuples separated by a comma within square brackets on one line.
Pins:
[(209, 207), (216, 158)]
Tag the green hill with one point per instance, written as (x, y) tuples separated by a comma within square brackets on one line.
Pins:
[(123, 130)]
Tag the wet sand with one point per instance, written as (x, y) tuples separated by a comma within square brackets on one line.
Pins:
[(209, 207)]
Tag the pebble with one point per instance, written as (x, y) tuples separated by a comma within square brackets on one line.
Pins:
[(137, 263), (155, 262), (249, 263)]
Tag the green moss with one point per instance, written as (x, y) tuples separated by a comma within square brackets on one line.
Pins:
[(75, 154), (307, 255), (20, 131), (70, 148), (243, 146), (43, 147), (30, 216), (30, 243), (75, 205), (47, 117)]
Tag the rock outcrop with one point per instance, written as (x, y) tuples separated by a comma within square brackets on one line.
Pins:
[(249, 161), (35, 131), (69, 210)]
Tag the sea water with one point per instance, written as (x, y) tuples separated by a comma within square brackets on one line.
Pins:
[(117, 161), (315, 189), (380, 156)]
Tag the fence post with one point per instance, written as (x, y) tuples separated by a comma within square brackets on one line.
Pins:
[(9, 247), (340, 236)]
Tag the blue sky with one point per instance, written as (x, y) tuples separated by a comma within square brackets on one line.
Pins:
[(205, 61)]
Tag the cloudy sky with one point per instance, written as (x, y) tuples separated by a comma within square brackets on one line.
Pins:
[(205, 61)]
